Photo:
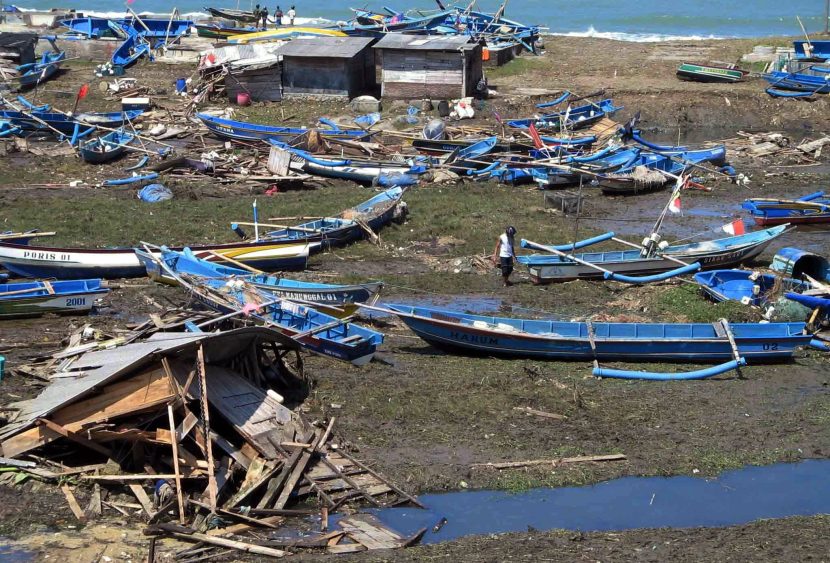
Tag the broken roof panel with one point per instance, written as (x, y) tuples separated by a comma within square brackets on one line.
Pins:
[(425, 42)]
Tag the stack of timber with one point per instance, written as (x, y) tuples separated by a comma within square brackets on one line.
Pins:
[(204, 430)]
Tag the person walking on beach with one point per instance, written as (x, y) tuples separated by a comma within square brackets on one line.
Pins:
[(503, 254), (257, 14), (292, 13), (278, 16), (264, 15)]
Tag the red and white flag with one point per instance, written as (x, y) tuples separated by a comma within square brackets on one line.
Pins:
[(674, 204), (735, 227)]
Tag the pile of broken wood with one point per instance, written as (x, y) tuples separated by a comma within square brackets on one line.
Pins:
[(761, 145), (206, 431)]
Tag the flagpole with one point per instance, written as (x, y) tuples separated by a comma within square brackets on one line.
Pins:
[(256, 224)]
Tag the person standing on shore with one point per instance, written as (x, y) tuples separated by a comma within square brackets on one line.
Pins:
[(264, 14), (504, 253), (292, 13), (278, 16), (257, 15)]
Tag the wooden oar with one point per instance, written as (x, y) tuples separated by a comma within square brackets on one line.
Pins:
[(234, 262), (272, 226)]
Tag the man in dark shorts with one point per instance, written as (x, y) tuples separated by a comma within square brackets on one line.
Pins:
[(504, 253)]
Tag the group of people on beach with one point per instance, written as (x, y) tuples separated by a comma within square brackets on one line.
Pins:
[(261, 14)]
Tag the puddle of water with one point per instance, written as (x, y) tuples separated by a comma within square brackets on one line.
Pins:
[(12, 554), (734, 498)]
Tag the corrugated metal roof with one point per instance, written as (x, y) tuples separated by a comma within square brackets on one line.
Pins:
[(326, 47), (425, 42), (102, 366)]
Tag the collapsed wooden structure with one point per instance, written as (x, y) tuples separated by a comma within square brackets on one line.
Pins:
[(201, 427)]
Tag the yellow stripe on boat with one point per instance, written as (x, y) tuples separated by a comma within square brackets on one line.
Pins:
[(284, 33)]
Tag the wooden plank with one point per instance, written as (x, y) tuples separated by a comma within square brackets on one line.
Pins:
[(367, 530), (224, 542), (345, 548), (74, 437), (294, 477), (142, 497), (73, 503), (267, 522), (175, 446), (554, 462), (543, 414), (202, 369), (140, 392)]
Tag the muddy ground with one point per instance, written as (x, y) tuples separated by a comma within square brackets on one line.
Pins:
[(423, 417)]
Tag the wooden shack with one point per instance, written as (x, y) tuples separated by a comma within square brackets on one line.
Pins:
[(262, 82), (434, 66), (341, 67)]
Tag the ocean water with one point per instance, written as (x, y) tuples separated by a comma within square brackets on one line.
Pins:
[(627, 20)]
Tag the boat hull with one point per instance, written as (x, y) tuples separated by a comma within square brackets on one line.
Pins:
[(66, 298), (77, 263), (612, 341)]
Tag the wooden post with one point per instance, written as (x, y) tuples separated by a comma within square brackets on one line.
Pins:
[(212, 488), (174, 440)]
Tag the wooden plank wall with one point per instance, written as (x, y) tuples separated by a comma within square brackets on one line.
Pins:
[(422, 74), (319, 77), (264, 84)]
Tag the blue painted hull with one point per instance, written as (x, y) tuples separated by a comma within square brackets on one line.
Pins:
[(343, 341), (243, 131), (65, 124), (814, 210), (506, 337), (752, 288), (576, 118)]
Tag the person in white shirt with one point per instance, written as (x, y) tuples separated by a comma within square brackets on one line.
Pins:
[(504, 253), (292, 13)]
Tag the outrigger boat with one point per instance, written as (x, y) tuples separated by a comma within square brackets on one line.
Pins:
[(798, 84), (217, 31), (41, 71), (335, 300), (810, 209), (52, 122), (233, 15), (313, 330), (157, 28), (621, 265), (572, 118), (35, 298), (732, 344)]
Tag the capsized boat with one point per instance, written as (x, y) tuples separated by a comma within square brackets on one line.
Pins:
[(35, 298), (50, 122), (41, 71), (810, 209), (563, 340), (727, 251)]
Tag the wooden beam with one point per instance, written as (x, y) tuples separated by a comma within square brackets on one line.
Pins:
[(143, 499), (174, 441), (57, 428), (202, 369), (73, 503)]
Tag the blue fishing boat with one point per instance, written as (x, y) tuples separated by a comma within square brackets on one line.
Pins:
[(748, 287), (797, 84), (133, 48), (244, 131), (332, 299), (718, 253), (106, 148), (562, 340), (573, 118), (50, 122), (35, 298), (157, 28), (374, 213), (714, 155), (313, 330), (41, 71), (817, 49), (810, 209)]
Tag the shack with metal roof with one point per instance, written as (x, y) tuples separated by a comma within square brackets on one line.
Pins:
[(431, 66), (341, 67)]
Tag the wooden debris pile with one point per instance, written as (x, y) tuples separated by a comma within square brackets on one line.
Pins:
[(202, 428), (778, 145)]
